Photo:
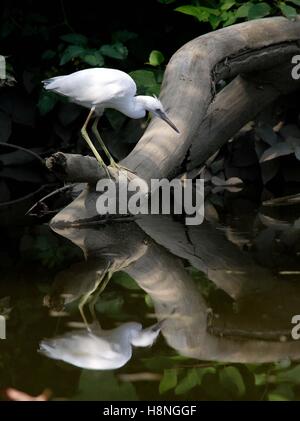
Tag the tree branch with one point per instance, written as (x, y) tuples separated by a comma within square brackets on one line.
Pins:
[(238, 103)]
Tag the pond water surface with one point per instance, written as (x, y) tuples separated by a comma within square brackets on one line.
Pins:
[(224, 294)]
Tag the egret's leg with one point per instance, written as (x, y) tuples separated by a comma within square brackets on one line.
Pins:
[(106, 151), (98, 137), (81, 306), (86, 297), (103, 282), (89, 142)]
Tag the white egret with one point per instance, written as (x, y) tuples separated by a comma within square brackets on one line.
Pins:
[(100, 349), (101, 88)]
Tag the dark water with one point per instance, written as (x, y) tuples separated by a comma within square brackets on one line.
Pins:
[(225, 293)]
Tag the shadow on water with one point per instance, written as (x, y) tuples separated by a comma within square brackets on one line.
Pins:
[(183, 312)]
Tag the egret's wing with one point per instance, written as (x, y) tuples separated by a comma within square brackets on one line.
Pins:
[(93, 86), (86, 350)]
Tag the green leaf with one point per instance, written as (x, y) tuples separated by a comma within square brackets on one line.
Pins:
[(232, 381), (201, 13), (146, 82), (169, 380), (71, 52), (288, 11), (260, 379), (283, 392), (193, 378), (190, 381), (156, 58), (228, 4), (243, 11), (117, 51), (107, 304), (125, 280), (46, 102), (76, 39), (148, 301), (290, 376), (93, 58), (230, 19), (215, 21), (259, 10)]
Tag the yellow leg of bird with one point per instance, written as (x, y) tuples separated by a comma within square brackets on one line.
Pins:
[(86, 297), (106, 151), (89, 142), (103, 281), (81, 309)]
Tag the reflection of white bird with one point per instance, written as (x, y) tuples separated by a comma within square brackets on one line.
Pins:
[(101, 88), (100, 349)]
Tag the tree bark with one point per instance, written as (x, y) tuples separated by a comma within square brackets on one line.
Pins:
[(188, 93), (189, 86), (239, 102)]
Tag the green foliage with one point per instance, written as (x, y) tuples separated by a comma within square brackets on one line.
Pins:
[(71, 52), (228, 12), (77, 49), (117, 51), (232, 380), (147, 81), (121, 278), (102, 386), (47, 249), (109, 303), (168, 381), (288, 11), (283, 392), (156, 58)]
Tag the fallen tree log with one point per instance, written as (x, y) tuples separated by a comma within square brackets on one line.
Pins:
[(189, 82), (189, 96)]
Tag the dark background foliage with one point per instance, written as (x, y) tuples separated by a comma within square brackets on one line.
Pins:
[(40, 40)]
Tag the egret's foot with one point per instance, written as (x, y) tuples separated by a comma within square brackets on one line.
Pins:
[(106, 169), (129, 173)]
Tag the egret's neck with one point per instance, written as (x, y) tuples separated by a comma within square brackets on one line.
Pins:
[(136, 107)]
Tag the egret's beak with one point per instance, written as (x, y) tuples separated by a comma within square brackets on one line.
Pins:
[(164, 117), (157, 326)]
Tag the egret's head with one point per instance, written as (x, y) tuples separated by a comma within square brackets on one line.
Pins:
[(147, 336), (154, 106)]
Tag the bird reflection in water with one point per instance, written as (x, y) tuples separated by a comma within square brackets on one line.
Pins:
[(80, 282), (99, 349)]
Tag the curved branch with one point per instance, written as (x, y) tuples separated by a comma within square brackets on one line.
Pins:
[(238, 103), (188, 86)]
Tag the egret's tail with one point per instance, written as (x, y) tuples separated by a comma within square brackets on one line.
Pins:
[(51, 84)]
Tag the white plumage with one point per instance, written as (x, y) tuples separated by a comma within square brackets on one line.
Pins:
[(100, 349), (101, 88)]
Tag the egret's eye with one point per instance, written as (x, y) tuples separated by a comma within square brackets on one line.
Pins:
[(158, 110)]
